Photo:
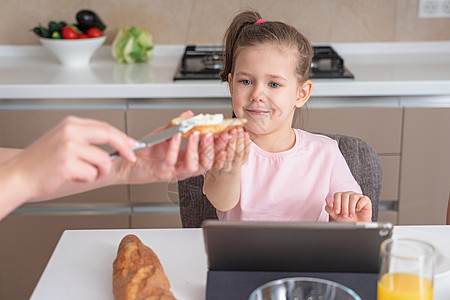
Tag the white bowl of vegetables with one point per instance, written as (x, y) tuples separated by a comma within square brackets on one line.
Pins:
[(73, 44), (74, 52)]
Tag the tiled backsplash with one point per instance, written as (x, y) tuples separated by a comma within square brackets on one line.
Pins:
[(204, 21)]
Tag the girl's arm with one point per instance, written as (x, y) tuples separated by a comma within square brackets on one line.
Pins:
[(222, 181), (345, 201)]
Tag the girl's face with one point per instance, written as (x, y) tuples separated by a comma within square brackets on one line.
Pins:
[(265, 89)]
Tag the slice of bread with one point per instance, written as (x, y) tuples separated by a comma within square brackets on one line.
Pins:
[(205, 123)]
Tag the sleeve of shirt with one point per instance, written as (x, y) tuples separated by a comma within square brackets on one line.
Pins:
[(341, 179)]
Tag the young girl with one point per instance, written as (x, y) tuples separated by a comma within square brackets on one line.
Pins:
[(271, 171)]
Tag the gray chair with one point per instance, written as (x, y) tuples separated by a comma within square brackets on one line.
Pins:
[(361, 158)]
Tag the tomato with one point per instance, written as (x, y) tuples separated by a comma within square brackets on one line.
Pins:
[(69, 33), (94, 32), (83, 36)]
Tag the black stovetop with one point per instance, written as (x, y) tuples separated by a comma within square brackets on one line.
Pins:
[(206, 62)]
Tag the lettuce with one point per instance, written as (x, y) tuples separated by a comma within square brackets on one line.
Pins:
[(132, 45)]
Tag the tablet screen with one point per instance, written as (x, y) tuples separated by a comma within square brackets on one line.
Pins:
[(294, 246)]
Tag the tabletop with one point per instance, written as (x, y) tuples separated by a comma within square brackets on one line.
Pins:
[(81, 265)]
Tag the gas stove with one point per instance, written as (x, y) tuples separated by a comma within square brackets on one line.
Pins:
[(206, 62)]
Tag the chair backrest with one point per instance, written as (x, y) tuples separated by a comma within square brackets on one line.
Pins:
[(361, 158)]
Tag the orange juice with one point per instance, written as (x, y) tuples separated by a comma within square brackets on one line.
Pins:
[(402, 286)]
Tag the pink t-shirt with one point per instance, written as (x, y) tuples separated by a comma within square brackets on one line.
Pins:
[(293, 185)]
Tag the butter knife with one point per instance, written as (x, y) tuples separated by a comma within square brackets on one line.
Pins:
[(153, 139)]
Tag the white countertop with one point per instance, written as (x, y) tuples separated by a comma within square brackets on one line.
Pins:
[(380, 69), (81, 265)]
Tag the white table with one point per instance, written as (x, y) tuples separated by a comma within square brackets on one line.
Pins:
[(81, 265)]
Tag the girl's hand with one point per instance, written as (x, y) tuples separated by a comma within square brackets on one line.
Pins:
[(232, 151), (350, 207)]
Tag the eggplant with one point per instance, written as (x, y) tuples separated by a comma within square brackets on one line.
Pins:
[(87, 19)]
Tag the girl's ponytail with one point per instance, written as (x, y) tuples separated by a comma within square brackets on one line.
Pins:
[(231, 37)]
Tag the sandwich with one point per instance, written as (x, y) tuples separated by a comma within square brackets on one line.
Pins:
[(207, 123)]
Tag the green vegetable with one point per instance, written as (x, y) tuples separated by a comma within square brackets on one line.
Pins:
[(132, 45), (56, 27), (53, 26), (56, 35), (44, 32)]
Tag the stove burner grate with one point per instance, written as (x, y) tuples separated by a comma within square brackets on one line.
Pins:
[(206, 62)]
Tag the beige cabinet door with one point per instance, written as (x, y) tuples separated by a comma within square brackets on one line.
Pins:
[(425, 179), (19, 128), (28, 241), (380, 127)]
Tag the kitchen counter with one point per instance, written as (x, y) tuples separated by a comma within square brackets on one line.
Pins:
[(411, 69)]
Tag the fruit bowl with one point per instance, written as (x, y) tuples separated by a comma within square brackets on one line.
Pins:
[(76, 52)]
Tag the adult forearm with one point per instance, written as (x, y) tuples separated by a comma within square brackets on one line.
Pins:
[(14, 191), (7, 153), (222, 190)]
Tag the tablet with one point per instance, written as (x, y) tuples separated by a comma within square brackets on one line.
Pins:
[(294, 246)]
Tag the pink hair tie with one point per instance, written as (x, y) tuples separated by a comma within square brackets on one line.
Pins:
[(260, 21)]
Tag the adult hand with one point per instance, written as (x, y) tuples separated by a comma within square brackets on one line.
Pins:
[(350, 207), (66, 158), (166, 162)]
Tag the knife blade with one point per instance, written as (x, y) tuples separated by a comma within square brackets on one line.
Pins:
[(152, 140)]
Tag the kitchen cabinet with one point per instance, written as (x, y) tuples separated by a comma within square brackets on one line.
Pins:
[(425, 180), (28, 241), (380, 127), (168, 218)]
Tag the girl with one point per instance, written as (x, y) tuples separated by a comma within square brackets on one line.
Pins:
[(271, 171)]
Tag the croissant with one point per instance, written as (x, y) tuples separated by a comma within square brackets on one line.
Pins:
[(138, 273)]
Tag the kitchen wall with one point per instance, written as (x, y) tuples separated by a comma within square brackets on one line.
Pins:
[(204, 21)]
